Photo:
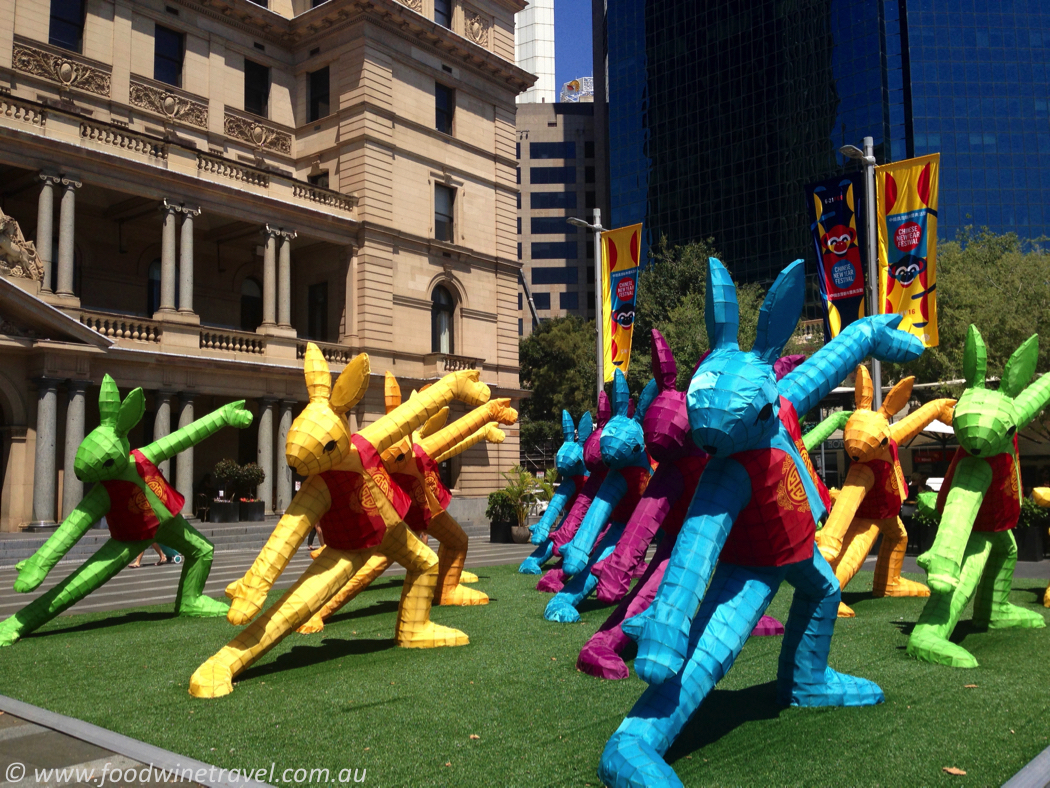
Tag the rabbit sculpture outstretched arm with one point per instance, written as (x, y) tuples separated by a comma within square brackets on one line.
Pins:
[(571, 472)]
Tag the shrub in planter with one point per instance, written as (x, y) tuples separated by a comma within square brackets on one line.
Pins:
[(500, 512)]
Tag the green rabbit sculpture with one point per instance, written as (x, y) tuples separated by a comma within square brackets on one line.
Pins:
[(140, 508), (974, 553)]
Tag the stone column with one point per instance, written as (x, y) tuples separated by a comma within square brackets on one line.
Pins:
[(162, 425), (167, 258), (184, 459), (72, 487), (265, 452), (45, 227), (270, 276), (66, 234), (44, 461), (284, 280), (283, 469), (186, 260)]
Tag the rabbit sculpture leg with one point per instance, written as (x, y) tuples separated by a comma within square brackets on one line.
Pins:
[(369, 573), (888, 580), (562, 606), (1041, 495)]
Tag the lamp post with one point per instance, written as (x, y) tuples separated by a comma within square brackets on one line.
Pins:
[(867, 158), (597, 229)]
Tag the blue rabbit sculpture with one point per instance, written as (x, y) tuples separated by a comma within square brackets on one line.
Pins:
[(623, 452), (755, 512), (573, 473)]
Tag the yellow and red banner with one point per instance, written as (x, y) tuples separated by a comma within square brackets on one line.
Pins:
[(907, 231), (620, 253)]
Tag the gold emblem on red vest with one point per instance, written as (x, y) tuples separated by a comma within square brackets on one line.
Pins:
[(791, 495)]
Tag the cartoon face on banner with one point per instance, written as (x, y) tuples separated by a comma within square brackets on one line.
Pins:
[(620, 255)]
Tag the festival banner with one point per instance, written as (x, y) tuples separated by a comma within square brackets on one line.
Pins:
[(907, 230), (836, 214), (620, 253)]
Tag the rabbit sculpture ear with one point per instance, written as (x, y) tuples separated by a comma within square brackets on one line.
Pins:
[(780, 312), (645, 399), (864, 392), (351, 385), (721, 312), (897, 398), (391, 391), (318, 378), (131, 410), (621, 398), (604, 410), (1020, 367), (665, 371), (586, 427), (975, 358), (109, 401), (568, 429)]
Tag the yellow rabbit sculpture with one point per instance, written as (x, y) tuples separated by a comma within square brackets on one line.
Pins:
[(870, 500), (350, 494), (412, 463)]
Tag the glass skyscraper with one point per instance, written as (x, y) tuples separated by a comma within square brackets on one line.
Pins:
[(720, 111)]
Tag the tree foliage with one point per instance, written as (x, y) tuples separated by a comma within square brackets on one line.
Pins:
[(558, 364)]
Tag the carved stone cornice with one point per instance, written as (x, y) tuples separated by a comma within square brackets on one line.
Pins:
[(415, 5), (257, 134), (57, 65), (161, 100)]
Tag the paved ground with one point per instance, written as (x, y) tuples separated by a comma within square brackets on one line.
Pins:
[(154, 585)]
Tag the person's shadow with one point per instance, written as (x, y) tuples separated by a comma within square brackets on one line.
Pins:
[(722, 712)]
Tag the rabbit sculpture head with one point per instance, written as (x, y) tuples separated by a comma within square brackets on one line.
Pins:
[(867, 432), (986, 421), (319, 439), (733, 398), (103, 454), (623, 441), (592, 451), (570, 456)]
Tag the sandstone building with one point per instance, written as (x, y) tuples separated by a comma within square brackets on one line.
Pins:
[(208, 184)]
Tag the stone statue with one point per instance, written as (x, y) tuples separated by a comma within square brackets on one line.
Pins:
[(18, 257)]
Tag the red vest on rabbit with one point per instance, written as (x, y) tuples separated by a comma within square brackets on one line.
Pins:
[(1001, 506), (884, 499), (130, 516)]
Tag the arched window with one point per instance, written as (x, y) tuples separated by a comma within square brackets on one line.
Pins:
[(442, 311), (251, 304), (153, 288)]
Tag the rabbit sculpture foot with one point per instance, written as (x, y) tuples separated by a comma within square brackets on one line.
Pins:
[(204, 607), (433, 636), (213, 679)]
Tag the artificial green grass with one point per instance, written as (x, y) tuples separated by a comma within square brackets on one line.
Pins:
[(350, 699)]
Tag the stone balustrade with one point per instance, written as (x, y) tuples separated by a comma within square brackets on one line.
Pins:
[(137, 329), (440, 364), (20, 110), (325, 197), (229, 341), (223, 168), (333, 353)]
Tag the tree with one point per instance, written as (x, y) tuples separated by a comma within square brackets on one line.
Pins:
[(558, 364)]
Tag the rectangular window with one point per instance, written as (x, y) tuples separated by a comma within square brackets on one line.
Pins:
[(443, 13), (542, 301), (519, 250), (519, 200), (555, 276), (590, 251), (555, 250), (517, 151), (444, 107), (521, 327), (519, 225), (552, 150), (551, 225), (569, 300), (588, 149), (256, 88), (590, 300), (590, 202), (588, 174), (552, 175), (519, 300), (169, 48), (320, 100), (317, 312), (545, 200), (67, 24), (444, 199), (320, 179)]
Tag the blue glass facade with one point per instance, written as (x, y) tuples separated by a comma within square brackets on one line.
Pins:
[(720, 112)]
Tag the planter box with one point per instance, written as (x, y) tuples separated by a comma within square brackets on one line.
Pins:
[(224, 512), (253, 511), (500, 532)]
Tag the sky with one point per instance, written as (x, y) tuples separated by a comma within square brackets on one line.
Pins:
[(572, 40)]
